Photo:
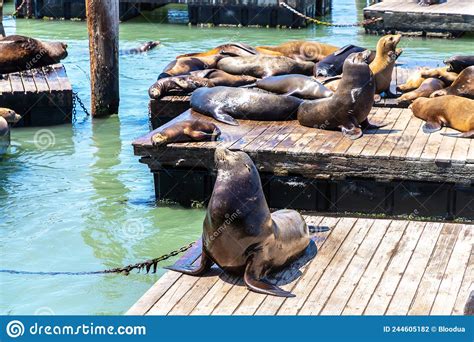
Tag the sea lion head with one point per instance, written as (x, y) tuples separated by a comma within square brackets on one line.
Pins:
[(388, 43), (453, 63), (9, 115), (151, 45), (56, 50), (186, 131), (441, 92), (234, 165), (417, 108)]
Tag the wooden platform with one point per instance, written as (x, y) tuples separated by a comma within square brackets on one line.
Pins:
[(363, 267), (452, 17), (43, 96)]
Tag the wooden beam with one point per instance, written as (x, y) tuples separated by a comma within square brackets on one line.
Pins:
[(103, 27)]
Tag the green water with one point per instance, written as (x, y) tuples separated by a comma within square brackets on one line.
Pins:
[(83, 202)]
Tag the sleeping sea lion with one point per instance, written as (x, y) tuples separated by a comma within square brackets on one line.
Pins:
[(428, 87), (414, 80), (232, 49), (263, 66), (443, 74), (350, 105), (19, 53), (240, 234), (462, 86), (222, 78), (185, 65), (301, 86), (177, 85), (451, 111), (331, 65), (141, 49), (185, 131), (428, 2), (301, 50), (459, 63), (226, 104), (384, 61)]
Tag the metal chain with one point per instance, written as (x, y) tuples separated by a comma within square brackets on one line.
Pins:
[(326, 23), (147, 265), (76, 99)]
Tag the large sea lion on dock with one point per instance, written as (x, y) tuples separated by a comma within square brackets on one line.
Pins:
[(141, 49), (240, 234), (414, 80), (331, 65), (18, 53), (232, 49), (462, 86), (185, 131), (350, 105), (382, 66), (443, 74), (183, 66), (428, 87), (301, 50), (451, 111), (226, 104), (263, 66), (458, 63), (301, 86)]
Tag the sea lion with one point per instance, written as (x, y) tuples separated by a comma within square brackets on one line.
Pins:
[(350, 105), (428, 2), (240, 234), (414, 80), (301, 50), (428, 87), (19, 53), (458, 63), (232, 49), (226, 104), (462, 86), (295, 85), (451, 111), (185, 65), (331, 65), (222, 78), (141, 49), (186, 131), (263, 66), (7, 117), (384, 61), (181, 85), (443, 74)]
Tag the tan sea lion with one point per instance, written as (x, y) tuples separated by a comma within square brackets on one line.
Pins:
[(241, 235), (186, 131), (183, 66), (451, 111), (19, 53), (301, 50), (232, 49), (7, 118), (443, 74), (414, 81), (428, 87), (384, 62), (462, 86)]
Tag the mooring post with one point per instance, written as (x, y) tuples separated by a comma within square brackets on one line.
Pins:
[(103, 27), (2, 30)]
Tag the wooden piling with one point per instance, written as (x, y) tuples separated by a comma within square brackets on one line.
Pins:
[(2, 30), (103, 28)]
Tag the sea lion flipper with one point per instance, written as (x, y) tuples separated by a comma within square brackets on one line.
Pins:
[(431, 127), (351, 131), (204, 266), (260, 285), (225, 118), (469, 134), (366, 124)]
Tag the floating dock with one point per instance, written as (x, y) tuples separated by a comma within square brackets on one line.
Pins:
[(363, 267), (43, 96), (450, 18)]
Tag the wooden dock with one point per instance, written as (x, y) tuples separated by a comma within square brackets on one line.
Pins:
[(363, 267), (395, 170), (43, 97), (447, 19)]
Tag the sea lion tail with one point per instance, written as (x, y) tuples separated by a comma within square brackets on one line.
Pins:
[(318, 229)]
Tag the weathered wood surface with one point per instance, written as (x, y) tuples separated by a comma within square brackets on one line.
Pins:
[(452, 16), (41, 96), (399, 151), (363, 266)]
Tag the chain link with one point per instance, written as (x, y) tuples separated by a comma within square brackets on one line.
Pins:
[(75, 100), (326, 23)]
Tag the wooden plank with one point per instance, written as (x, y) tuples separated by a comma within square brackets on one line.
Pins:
[(446, 149), (460, 151), (374, 271), (5, 85), (403, 145), (385, 289), (62, 76), (259, 141), (395, 134), (246, 139), (28, 82), (332, 273), (432, 146), (358, 147), (453, 276), (467, 286), (291, 140), (42, 85), (431, 279), (349, 280), (212, 298), (17, 84), (418, 145), (52, 79), (279, 136), (470, 155)]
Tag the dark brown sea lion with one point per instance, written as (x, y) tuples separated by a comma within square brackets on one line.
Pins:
[(301, 50), (462, 86), (384, 62), (301, 86), (226, 104), (350, 105), (231, 49), (428, 87), (183, 66), (263, 66), (428, 2), (186, 131), (331, 65), (222, 78), (177, 85), (240, 234), (141, 49), (459, 63), (451, 111), (19, 53)]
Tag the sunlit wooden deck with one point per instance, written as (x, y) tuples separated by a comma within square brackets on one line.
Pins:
[(363, 266)]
